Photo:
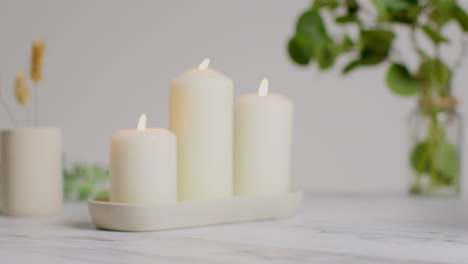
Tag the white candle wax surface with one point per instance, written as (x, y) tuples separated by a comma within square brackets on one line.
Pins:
[(262, 144), (202, 118), (32, 171), (143, 166)]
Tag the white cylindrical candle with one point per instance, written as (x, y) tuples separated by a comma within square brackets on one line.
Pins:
[(201, 117), (32, 171), (262, 143), (143, 166)]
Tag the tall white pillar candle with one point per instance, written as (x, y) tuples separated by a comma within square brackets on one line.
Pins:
[(32, 171), (143, 166), (201, 117), (262, 143)]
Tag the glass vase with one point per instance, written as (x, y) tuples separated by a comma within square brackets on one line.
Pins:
[(435, 147)]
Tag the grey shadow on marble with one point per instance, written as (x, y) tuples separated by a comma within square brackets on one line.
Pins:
[(82, 225)]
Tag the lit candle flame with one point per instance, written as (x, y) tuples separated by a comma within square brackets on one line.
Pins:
[(204, 65), (142, 123), (263, 89)]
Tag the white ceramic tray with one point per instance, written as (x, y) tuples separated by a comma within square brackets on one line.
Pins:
[(133, 217)]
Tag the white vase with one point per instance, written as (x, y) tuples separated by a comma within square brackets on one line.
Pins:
[(32, 171)]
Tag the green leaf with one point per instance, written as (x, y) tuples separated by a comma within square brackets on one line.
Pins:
[(310, 25), (85, 191), (401, 11), (398, 4), (422, 53), (300, 50), (400, 81), (346, 44), (351, 66), (434, 74), (312, 41), (379, 38), (376, 45), (102, 174), (406, 16), (352, 7), (82, 180), (345, 19), (438, 19), (330, 4), (370, 57), (326, 54), (420, 157), (102, 194), (461, 17), (433, 35), (442, 12), (381, 8), (446, 159)]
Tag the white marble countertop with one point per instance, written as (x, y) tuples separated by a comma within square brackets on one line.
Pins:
[(327, 229)]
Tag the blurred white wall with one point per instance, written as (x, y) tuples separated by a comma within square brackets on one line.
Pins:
[(109, 61)]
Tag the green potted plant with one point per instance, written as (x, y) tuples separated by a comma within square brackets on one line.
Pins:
[(369, 32)]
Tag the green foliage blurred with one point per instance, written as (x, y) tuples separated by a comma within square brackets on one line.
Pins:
[(368, 30), (83, 182), (374, 43)]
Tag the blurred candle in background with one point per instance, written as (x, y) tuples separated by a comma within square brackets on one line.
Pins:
[(201, 117), (32, 171), (262, 143), (143, 165)]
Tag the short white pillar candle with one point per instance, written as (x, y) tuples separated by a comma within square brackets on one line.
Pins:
[(201, 117), (143, 165), (262, 143), (32, 171)]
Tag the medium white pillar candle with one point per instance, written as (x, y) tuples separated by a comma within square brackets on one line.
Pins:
[(201, 117), (32, 171), (262, 143), (143, 166)]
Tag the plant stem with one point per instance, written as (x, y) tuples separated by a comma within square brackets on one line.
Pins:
[(420, 52), (414, 42), (36, 103), (432, 139), (420, 169), (461, 56), (10, 115)]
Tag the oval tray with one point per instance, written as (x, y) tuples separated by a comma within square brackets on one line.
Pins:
[(135, 217)]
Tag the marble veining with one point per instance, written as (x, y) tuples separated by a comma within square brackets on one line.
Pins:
[(327, 229)]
